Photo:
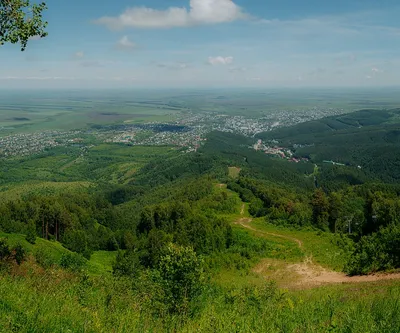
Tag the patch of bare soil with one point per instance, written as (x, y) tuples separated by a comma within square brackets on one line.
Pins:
[(306, 274), (311, 275)]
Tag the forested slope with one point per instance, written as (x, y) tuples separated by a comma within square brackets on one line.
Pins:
[(367, 139)]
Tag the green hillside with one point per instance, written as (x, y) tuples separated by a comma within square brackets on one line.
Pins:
[(366, 141), (223, 239)]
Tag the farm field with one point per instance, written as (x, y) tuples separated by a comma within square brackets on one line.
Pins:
[(31, 111)]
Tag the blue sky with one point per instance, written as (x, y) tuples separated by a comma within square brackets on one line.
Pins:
[(210, 43)]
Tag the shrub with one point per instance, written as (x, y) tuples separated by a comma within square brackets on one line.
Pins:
[(5, 252), (19, 254), (181, 275), (126, 263), (7, 255), (72, 261), (377, 252), (43, 258)]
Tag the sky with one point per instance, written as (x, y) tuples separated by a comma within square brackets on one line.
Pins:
[(210, 43)]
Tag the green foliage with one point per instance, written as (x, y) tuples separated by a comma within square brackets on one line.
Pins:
[(31, 232), (320, 206), (377, 252), (44, 258), (21, 20), (19, 254), (366, 138), (127, 263), (78, 241), (72, 261), (109, 305), (9, 255), (5, 252), (181, 276)]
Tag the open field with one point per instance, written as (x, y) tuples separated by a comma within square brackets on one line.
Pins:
[(234, 172), (67, 168), (31, 111), (37, 111)]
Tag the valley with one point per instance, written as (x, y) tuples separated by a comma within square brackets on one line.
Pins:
[(235, 223)]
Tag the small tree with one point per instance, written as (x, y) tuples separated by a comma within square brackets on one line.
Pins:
[(19, 254), (127, 263), (320, 207), (5, 252), (31, 232), (20, 21), (180, 272)]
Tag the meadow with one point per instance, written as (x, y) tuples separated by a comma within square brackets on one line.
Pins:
[(65, 168)]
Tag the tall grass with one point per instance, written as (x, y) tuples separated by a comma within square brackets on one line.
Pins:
[(35, 300)]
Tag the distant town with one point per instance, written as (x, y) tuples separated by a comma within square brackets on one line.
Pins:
[(187, 132)]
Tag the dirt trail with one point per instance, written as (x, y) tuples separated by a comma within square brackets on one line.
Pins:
[(244, 222), (307, 274)]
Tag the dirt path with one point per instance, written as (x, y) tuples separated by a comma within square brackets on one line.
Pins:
[(307, 274), (245, 222)]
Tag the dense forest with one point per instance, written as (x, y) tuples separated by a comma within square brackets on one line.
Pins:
[(366, 140)]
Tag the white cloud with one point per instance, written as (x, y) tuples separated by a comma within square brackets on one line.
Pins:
[(125, 44), (220, 60), (79, 55), (200, 12)]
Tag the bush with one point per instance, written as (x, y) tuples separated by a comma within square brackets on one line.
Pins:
[(5, 252), (7, 255), (181, 275), (43, 258), (127, 263), (377, 252), (19, 254), (72, 261)]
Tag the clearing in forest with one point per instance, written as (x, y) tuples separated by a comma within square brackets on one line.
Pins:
[(305, 274), (234, 172)]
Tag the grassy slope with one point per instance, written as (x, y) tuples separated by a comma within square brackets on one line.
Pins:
[(321, 246), (13, 192), (103, 305), (239, 301), (99, 263)]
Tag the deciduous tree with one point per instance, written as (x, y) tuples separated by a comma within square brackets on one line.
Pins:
[(20, 21)]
